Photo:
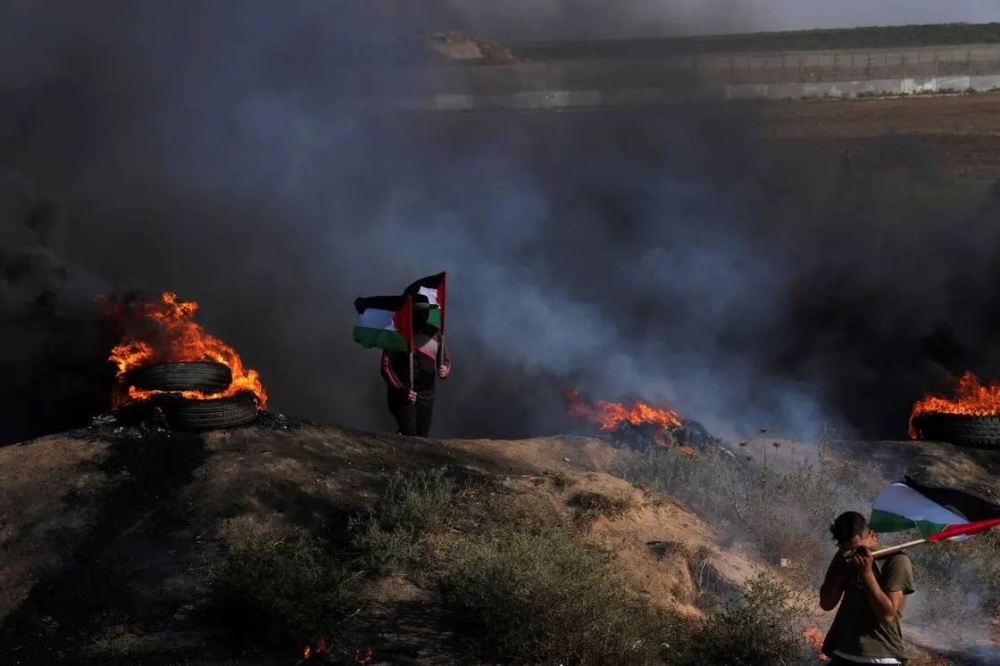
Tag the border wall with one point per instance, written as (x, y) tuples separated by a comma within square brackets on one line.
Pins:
[(651, 81)]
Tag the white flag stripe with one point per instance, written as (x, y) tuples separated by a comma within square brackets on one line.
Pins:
[(902, 500), (380, 319), (431, 294)]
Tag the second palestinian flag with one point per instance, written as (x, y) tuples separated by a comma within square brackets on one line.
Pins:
[(937, 513), (434, 288)]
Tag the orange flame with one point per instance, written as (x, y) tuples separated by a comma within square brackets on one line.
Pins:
[(971, 399), (814, 637), (609, 415), (307, 651), (171, 335)]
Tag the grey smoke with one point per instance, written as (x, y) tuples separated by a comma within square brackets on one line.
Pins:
[(212, 152), (597, 19)]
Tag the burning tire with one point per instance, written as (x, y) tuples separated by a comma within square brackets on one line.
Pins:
[(972, 431), (203, 377), (186, 414)]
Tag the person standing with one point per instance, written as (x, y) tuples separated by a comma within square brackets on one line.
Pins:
[(413, 405)]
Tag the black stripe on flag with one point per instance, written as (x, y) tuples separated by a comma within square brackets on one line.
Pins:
[(973, 507), (391, 303)]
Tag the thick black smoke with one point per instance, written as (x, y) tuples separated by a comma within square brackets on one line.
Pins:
[(215, 151)]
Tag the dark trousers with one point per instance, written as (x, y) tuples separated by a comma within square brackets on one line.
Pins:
[(413, 420)]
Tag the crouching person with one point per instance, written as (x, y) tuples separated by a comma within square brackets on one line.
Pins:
[(866, 628)]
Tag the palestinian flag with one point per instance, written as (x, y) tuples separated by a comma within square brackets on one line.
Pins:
[(385, 322), (433, 287), (937, 513)]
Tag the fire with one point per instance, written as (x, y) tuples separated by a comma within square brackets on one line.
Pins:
[(308, 651), (610, 415), (169, 334), (971, 399), (814, 637)]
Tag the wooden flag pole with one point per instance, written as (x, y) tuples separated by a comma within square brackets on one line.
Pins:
[(413, 407), (895, 549)]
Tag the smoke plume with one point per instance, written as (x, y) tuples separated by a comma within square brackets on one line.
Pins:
[(215, 152)]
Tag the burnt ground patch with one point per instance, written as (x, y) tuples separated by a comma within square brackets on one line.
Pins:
[(140, 537)]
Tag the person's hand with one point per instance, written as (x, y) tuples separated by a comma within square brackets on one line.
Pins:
[(862, 559), (411, 396), (444, 370)]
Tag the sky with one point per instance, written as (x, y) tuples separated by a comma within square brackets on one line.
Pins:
[(603, 19)]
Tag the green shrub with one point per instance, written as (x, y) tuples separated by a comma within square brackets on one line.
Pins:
[(762, 626), (533, 599), (280, 585), (388, 533)]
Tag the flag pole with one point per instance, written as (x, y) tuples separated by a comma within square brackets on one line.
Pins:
[(442, 298), (413, 407), (895, 549)]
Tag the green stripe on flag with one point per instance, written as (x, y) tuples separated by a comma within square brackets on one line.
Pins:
[(883, 521), (389, 340)]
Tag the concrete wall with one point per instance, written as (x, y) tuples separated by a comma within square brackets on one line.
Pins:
[(627, 81), (623, 97)]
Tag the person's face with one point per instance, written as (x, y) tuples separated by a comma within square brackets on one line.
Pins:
[(867, 538)]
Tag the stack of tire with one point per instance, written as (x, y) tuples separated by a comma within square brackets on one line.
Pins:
[(979, 432), (177, 412)]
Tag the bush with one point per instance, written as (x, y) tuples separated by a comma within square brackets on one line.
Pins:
[(590, 506), (531, 599), (280, 585), (709, 481), (388, 533), (784, 513), (762, 626)]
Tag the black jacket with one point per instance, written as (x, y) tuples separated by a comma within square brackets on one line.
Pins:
[(396, 365)]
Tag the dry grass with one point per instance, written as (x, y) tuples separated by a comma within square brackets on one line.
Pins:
[(590, 506), (279, 585), (561, 480), (532, 599)]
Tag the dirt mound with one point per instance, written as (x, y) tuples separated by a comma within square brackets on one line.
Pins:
[(107, 534)]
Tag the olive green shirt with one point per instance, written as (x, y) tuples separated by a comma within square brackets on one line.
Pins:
[(856, 630)]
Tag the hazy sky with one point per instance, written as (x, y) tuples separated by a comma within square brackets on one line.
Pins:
[(624, 18)]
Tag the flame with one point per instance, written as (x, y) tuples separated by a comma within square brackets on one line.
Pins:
[(971, 399), (814, 637), (307, 651), (609, 415), (170, 335)]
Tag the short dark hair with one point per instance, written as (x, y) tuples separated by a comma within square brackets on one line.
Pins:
[(847, 526)]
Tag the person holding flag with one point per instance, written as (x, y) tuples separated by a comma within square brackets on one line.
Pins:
[(410, 331), (871, 594), (411, 395), (866, 629)]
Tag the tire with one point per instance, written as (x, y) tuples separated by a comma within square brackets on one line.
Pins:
[(972, 431), (203, 377), (186, 414)]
